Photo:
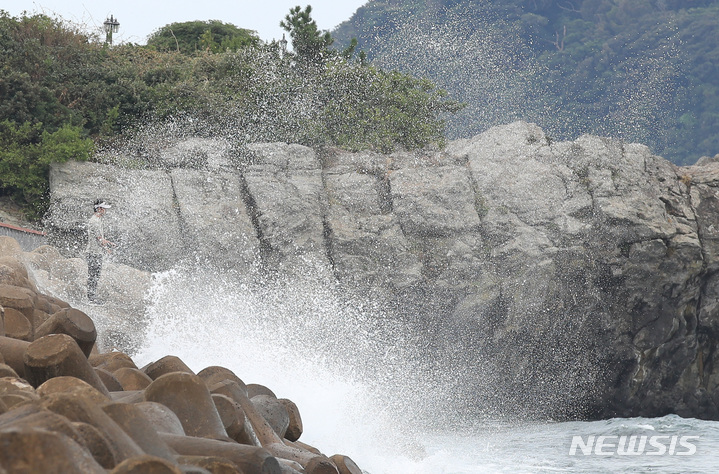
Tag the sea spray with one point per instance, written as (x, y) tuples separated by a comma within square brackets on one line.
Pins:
[(362, 382)]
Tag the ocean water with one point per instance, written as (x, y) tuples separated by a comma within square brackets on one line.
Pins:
[(364, 389)]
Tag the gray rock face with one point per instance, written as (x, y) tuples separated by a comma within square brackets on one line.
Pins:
[(288, 202), (143, 221), (214, 218), (368, 246), (580, 276), (597, 253)]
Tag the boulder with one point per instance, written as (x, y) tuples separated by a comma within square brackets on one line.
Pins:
[(583, 271)]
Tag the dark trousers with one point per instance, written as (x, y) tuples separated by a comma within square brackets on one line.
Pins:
[(94, 267)]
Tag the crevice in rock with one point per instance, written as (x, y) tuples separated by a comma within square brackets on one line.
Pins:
[(670, 209), (327, 234), (384, 188), (480, 203), (414, 246), (253, 212), (328, 240), (699, 230), (188, 241), (706, 347)]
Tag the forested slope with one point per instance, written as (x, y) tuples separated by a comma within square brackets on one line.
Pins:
[(640, 70)]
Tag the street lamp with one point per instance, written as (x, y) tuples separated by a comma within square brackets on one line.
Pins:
[(111, 26), (283, 45)]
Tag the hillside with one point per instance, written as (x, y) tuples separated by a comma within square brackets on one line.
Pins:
[(65, 95), (640, 70)]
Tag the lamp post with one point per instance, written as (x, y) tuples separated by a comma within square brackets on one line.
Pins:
[(283, 46), (111, 26)]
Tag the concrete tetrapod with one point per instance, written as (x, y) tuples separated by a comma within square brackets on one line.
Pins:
[(237, 425), (72, 385), (250, 459), (345, 465), (75, 324), (13, 352), (110, 381), (31, 416), (274, 412), (76, 414), (294, 429), (132, 379), (267, 436), (111, 361), (162, 418), (18, 298), (214, 373), (187, 396), (166, 365), (17, 325), (14, 391), (55, 355), (97, 444), (214, 464), (83, 410), (146, 464), (28, 451), (134, 422), (7, 371)]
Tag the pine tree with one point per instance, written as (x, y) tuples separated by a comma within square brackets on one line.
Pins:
[(309, 43)]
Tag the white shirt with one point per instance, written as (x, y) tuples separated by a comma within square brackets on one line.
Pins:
[(95, 234)]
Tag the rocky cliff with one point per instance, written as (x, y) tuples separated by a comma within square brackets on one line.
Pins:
[(579, 278)]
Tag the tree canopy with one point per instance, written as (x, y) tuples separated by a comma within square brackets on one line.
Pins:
[(191, 36), (308, 41)]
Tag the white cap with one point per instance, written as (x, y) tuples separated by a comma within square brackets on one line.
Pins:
[(103, 205)]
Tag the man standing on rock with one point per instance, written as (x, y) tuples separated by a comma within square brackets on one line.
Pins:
[(97, 246)]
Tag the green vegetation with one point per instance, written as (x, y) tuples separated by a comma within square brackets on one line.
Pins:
[(26, 152), (356, 105), (641, 70), (192, 36), (63, 92), (310, 44)]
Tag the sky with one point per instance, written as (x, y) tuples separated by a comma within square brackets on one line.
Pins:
[(139, 18)]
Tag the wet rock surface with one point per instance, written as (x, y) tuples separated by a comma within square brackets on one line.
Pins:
[(581, 276)]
